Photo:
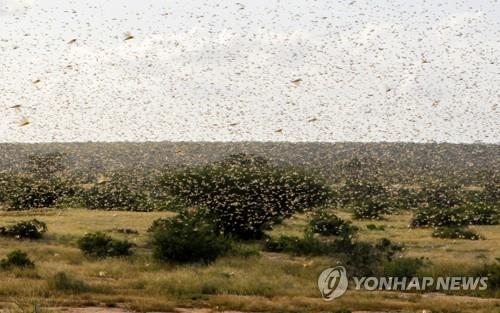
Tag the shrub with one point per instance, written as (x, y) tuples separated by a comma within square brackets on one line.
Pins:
[(187, 238), (467, 214), (492, 271), (118, 192), (406, 198), (455, 233), (326, 223), (362, 258), (403, 267), (482, 214), (375, 227), (357, 192), (370, 210), (436, 216), (441, 195), (16, 258), (24, 193), (33, 229), (245, 198), (4, 183), (66, 283), (308, 245), (101, 245)]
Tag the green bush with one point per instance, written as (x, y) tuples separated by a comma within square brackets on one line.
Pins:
[(455, 233), (437, 216), (326, 223), (16, 258), (66, 283), (187, 238), (33, 229), (244, 198), (24, 193), (101, 245), (370, 210), (403, 267)]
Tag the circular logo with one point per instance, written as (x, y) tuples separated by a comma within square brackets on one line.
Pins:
[(332, 282)]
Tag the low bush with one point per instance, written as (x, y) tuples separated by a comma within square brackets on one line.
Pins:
[(375, 227), (187, 238), (16, 258), (455, 233), (67, 283), (326, 223), (402, 267), (362, 258), (33, 229), (490, 270), (308, 245), (101, 245), (370, 210)]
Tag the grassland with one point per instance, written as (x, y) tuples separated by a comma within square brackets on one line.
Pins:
[(254, 282)]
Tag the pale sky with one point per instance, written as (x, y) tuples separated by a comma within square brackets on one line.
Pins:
[(394, 70)]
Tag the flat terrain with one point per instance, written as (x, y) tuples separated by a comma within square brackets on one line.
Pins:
[(253, 283)]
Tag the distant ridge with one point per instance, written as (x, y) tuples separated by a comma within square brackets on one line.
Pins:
[(397, 162)]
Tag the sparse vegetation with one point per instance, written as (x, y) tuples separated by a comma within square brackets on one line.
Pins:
[(65, 282), (402, 267), (223, 212)]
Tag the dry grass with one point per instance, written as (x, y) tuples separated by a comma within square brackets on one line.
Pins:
[(270, 282)]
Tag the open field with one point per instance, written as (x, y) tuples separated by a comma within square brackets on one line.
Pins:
[(264, 282)]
